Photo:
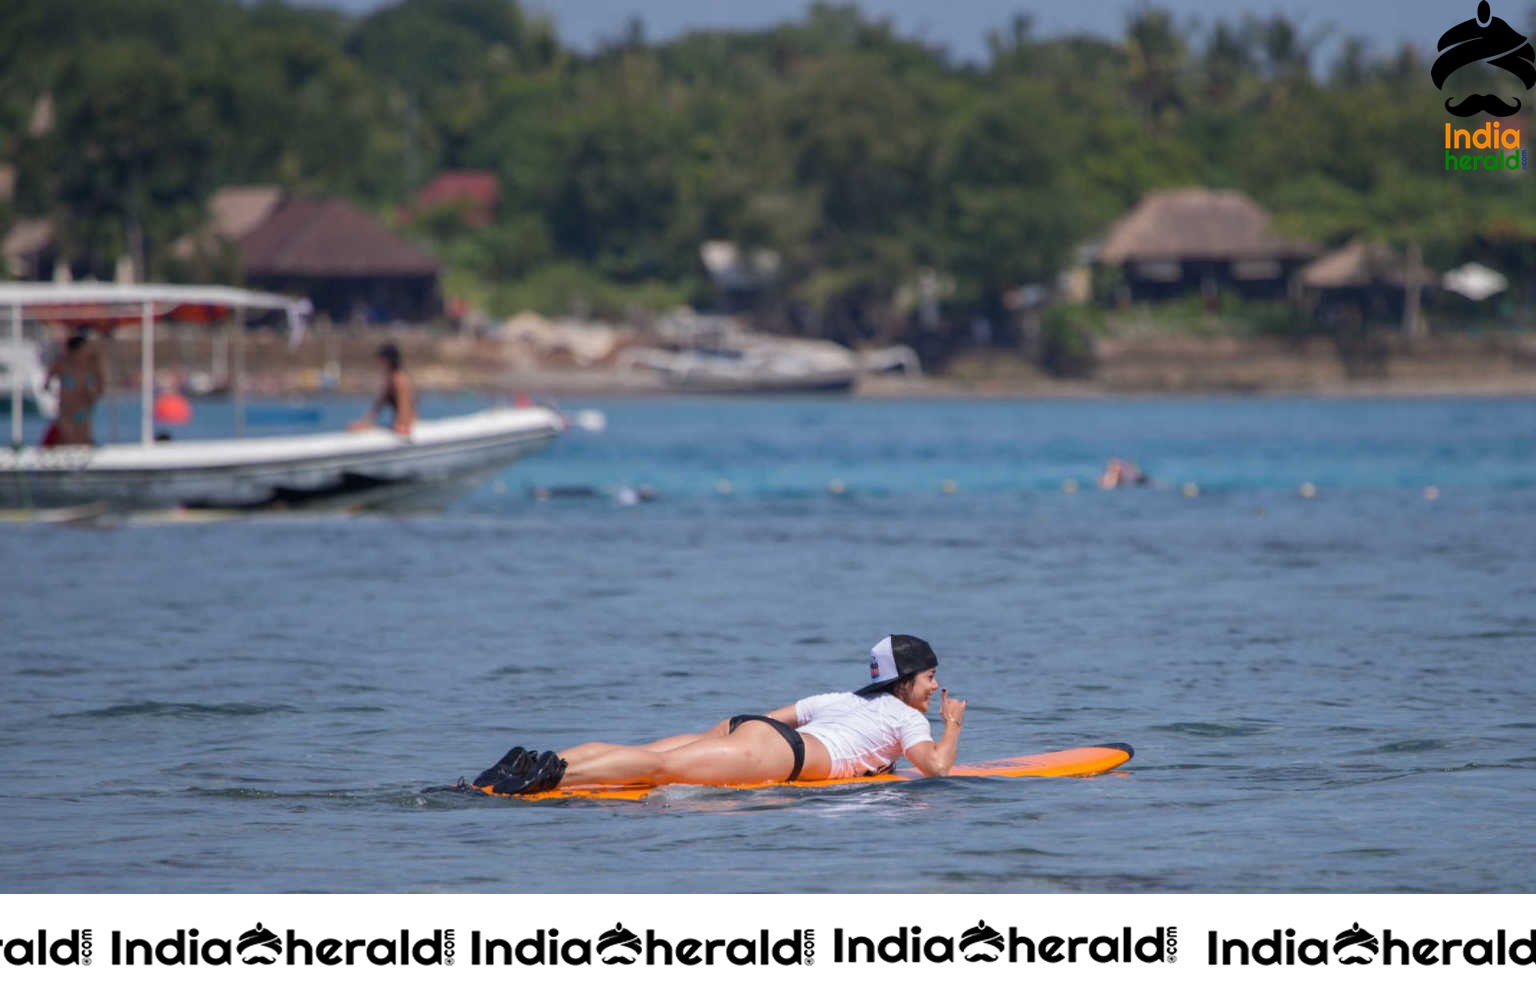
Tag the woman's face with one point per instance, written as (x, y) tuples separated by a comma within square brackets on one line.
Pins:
[(922, 689)]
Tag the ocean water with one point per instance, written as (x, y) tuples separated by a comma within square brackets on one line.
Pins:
[(1334, 693)]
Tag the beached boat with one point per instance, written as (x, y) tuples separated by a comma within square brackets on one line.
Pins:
[(726, 370), (372, 468), (717, 354)]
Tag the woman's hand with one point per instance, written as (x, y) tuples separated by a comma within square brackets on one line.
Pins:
[(952, 710), (938, 759)]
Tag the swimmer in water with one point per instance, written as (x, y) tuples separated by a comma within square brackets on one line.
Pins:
[(1122, 473)]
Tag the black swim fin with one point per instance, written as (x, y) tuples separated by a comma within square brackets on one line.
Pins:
[(542, 774), (548, 772), (516, 763)]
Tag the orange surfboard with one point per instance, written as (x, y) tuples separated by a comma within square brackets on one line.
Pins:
[(1083, 761)]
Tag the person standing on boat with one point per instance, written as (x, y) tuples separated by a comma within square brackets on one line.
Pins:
[(396, 395), (837, 735), (82, 379)]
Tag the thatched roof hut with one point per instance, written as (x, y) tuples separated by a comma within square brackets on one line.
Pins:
[(344, 260), (1366, 284), (1178, 242), (1196, 223), (1362, 264), (329, 237), (233, 213), (28, 250)]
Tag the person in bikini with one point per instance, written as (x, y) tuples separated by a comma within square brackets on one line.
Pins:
[(396, 394), (837, 735), (81, 376)]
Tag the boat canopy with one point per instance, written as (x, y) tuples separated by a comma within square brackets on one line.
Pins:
[(160, 294), (108, 305)]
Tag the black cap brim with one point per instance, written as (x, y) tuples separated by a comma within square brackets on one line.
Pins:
[(877, 686)]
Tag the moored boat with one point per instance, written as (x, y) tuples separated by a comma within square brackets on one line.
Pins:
[(376, 468), (373, 468)]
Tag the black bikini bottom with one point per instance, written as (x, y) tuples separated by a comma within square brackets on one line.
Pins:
[(793, 738)]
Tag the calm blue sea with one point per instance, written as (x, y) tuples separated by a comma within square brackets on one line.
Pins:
[(1334, 693)]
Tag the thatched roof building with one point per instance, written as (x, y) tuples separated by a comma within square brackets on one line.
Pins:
[(1361, 264), (348, 264), (28, 250), (1177, 242), (233, 213), (1365, 283)]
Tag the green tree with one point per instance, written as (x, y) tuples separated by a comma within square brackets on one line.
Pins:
[(1008, 168), (1158, 64), (441, 60), (126, 165)]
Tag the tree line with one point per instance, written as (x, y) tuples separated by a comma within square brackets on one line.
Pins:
[(862, 157)]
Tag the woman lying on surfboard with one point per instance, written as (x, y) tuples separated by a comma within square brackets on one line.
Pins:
[(843, 734)]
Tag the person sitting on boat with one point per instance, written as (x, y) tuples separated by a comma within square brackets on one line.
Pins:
[(396, 394), (82, 379), (837, 735)]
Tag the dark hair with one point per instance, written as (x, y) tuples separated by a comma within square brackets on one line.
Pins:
[(76, 340), (390, 353), (901, 686)]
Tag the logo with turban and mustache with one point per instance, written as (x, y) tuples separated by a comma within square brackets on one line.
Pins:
[(981, 943), (1490, 40), (259, 946), (1355, 946), (618, 945)]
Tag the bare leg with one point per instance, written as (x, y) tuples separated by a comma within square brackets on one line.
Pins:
[(675, 742), (754, 754), (587, 751)]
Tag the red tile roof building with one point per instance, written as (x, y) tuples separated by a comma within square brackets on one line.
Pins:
[(476, 194)]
